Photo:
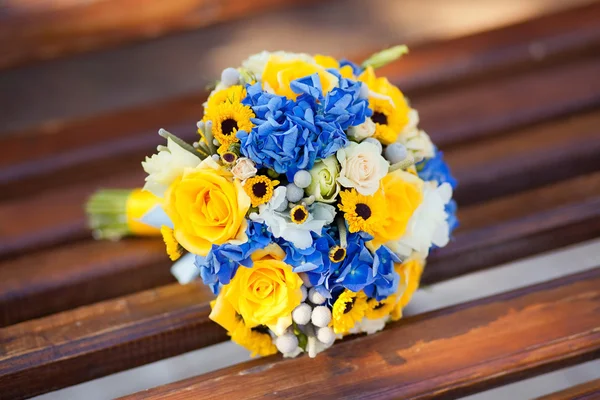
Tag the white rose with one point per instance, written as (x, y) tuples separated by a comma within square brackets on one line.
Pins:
[(415, 139), (243, 169), (163, 168), (362, 131), (363, 166)]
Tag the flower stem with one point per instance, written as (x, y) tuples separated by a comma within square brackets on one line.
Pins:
[(343, 232)]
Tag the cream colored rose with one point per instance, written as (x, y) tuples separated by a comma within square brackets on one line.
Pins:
[(362, 131), (362, 167), (244, 168)]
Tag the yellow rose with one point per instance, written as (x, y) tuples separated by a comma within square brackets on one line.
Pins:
[(390, 109), (207, 206), (267, 293), (279, 73), (330, 62), (403, 193), (410, 275)]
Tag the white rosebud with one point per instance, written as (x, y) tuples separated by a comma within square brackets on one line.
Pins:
[(304, 292), (230, 77), (286, 343), (301, 314), (294, 193), (315, 297), (302, 179), (321, 316), (325, 335), (395, 153), (375, 142), (244, 168), (363, 167), (362, 131)]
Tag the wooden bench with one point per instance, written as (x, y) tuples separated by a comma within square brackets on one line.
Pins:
[(517, 113)]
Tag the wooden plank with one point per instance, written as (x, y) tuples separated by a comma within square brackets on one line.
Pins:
[(181, 312), (441, 354), (585, 391), (50, 353), (65, 270), (38, 159), (31, 30)]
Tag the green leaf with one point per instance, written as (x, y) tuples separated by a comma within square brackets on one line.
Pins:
[(385, 57)]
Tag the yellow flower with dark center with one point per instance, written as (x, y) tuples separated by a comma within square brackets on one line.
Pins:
[(257, 340), (379, 309), (174, 249), (233, 94), (390, 108), (363, 213), (348, 309), (227, 119), (229, 157), (260, 189), (337, 254), (410, 273), (299, 214)]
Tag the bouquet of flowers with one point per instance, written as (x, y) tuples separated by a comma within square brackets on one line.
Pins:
[(308, 204)]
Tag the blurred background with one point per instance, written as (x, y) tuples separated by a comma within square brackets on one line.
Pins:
[(65, 60)]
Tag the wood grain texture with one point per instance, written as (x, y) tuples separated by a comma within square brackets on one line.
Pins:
[(141, 336), (34, 30), (585, 391), (442, 354), (50, 353)]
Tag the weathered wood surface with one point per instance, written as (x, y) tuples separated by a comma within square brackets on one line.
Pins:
[(32, 30), (585, 391), (442, 354)]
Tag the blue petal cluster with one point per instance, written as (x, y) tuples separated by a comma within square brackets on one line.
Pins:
[(221, 263), (291, 135), (363, 270), (356, 69)]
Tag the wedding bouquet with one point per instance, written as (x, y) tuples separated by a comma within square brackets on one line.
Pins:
[(308, 204)]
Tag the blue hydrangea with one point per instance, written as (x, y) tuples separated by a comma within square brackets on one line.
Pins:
[(436, 169), (291, 135), (221, 263), (386, 278)]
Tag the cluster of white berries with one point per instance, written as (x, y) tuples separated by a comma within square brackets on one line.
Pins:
[(312, 317)]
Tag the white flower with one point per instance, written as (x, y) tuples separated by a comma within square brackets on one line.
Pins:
[(363, 166), (255, 64), (415, 139), (243, 169), (369, 326), (281, 225), (428, 225), (362, 131), (163, 168)]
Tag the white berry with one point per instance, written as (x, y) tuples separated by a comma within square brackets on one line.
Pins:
[(321, 316), (302, 179), (316, 297), (304, 292), (294, 193), (395, 153), (230, 77), (305, 280), (375, 142), (325, 335), (286, 343), (301, 314)]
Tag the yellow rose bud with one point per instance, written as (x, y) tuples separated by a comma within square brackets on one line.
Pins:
[(267, 293), (278, 75), (207, 206), (410, 276)]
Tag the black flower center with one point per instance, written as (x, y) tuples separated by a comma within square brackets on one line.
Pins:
[(259, 189), (379, 118), (363, 211), (299, 214), (338, 254), (349, 305), (260, 329), (229, 157), (229, 126)]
